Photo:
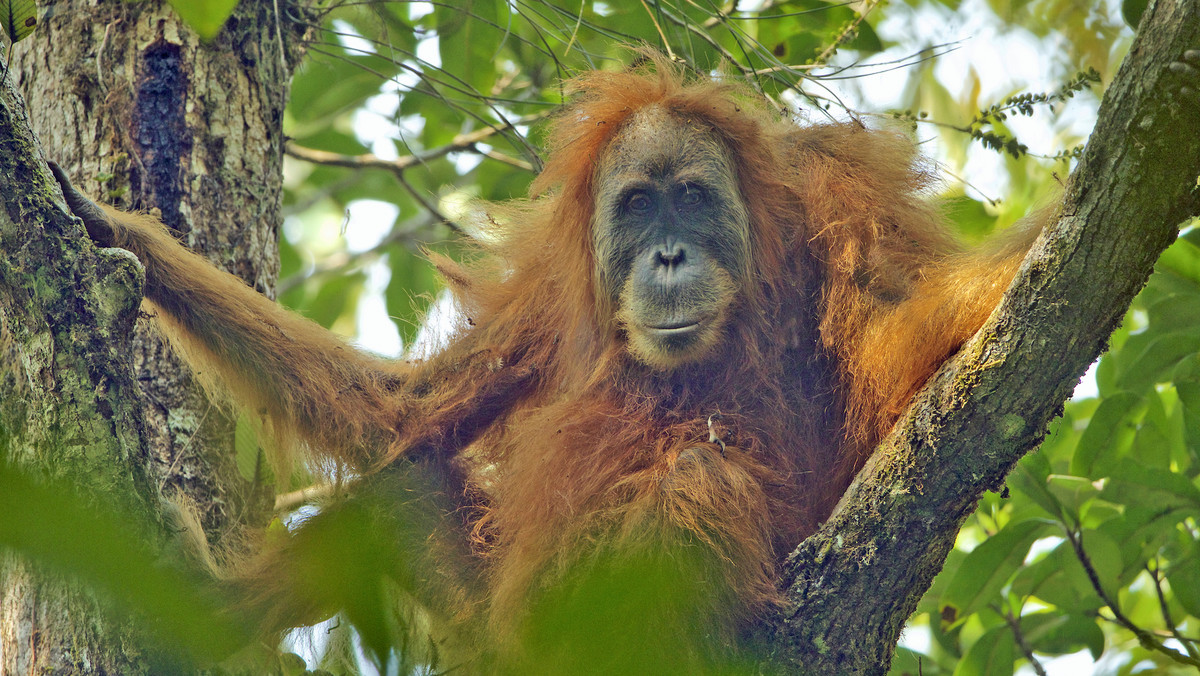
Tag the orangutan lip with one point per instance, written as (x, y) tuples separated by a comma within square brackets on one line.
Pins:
[(674, 329)]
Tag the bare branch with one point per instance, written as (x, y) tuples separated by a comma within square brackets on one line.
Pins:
[(461, 143)]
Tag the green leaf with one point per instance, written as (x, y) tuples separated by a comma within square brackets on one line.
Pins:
[(799, 48), (289, 259), (469, 33), (335, 299), (385, 23), (1055, 633), (867, 40), (347, 186), (1157, 357), (796, 32), (1059, 580), (98, 542), (441, 124), (575, 627), (1111, 429), (1182, 258), (333, 140), (1140, 532), (1132, 10), (988, 568), (1166, 281), (907, 662), (1136, 484), (1151, 446), (329, 301), (499, 182), (970, 215), (1175, 312), (1073, 492), (1189, 396), (991, 655), (1106, 559), (1030, 478), (19, 17), (1184, 578), (291, 664), (329, 87), (205, 16), (1059, 446)]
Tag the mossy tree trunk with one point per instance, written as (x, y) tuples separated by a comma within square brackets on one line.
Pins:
[(143, 114)]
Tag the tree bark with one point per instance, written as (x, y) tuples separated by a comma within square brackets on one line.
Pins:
[(145, 115), (853, 584), (68, 405)]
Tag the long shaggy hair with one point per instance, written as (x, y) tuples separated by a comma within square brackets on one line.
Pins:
[(857, 294)]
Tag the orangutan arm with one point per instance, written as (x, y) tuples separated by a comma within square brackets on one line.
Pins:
[(305, 381), (901, 293)]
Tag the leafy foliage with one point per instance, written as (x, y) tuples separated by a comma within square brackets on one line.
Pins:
[(1095, 545), (64, 532)]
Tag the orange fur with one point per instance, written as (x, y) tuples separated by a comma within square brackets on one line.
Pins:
[(554, 444)]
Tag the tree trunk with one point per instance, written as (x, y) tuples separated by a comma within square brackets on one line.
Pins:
[(145, 115)]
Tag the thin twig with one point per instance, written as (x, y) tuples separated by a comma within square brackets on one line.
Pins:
[(662, 36), (1145, 638), (283, 67), (1166, 612), (427, 205), (183, 451), (723, 13), (461, 143), (1154, 632), (504, 159), (1014, 623), (411, 231), (847, 32)]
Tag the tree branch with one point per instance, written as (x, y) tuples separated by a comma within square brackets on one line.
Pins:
[(853, 583), (461, 143), (1145, 638), (412, 233), (1188, 644), (1014, 623)]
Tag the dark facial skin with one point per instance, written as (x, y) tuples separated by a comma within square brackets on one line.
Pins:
[(671, 235)]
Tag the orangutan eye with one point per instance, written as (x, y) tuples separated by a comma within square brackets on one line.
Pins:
[(639, 203), (691, 195)]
